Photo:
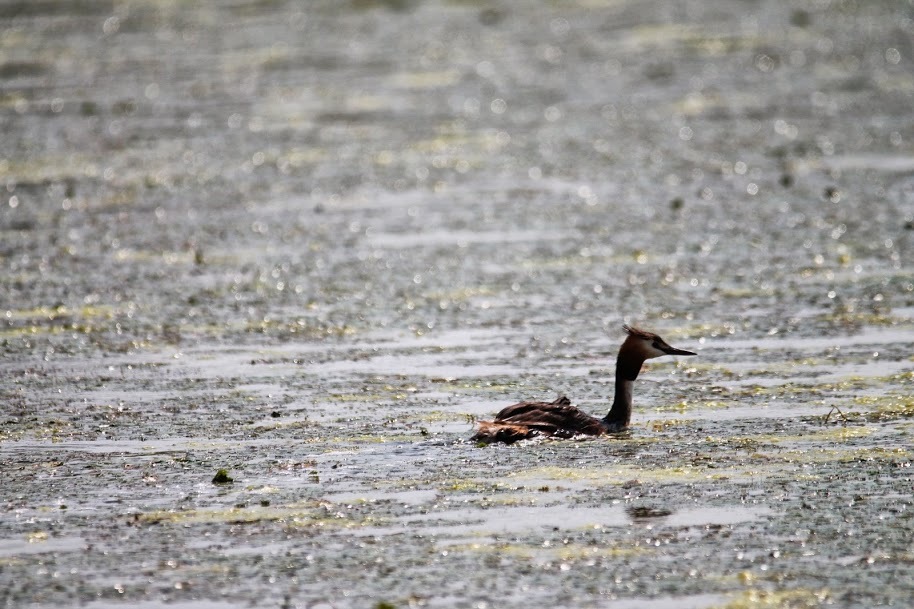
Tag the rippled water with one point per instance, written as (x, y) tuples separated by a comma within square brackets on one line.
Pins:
[(312, 243)]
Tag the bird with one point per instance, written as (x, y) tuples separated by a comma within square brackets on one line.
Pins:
[(559, 419)]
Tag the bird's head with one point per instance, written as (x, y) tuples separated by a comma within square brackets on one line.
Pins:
[(649, 345)]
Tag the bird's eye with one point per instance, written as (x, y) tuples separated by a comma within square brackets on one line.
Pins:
[(657, 345)]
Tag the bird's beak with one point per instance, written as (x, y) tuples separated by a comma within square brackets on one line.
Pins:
[(673, 351)]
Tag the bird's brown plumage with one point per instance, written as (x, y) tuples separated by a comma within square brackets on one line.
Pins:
[(530, 419)]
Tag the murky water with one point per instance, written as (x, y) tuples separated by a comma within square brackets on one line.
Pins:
[(311, 243)]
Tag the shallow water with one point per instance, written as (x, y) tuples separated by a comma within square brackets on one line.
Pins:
[(312, 244)]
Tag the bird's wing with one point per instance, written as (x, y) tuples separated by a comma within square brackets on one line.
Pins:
[(556, 418)]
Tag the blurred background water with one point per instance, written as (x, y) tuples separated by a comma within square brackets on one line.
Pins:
[(338, 164)]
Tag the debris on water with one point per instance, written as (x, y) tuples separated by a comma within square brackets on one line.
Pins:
[(841, 415), (800, 18), (645, 512), (222, 477)]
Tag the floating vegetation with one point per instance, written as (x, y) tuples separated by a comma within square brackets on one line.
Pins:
[(291, 516), (222, 477), (647, 512), (618, 474), (784, 599), (857, 318), (566, 551), (684, 406), (886, 407)]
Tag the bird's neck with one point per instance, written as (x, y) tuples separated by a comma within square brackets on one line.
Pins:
[(627, 369)]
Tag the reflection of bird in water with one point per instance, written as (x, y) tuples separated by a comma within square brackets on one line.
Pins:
[(562, 420)]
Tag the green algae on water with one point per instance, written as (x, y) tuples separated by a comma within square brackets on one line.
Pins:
[(222, 477)]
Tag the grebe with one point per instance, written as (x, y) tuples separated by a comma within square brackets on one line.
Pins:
[(562, 420)]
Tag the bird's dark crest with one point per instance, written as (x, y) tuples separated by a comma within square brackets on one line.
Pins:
[(632, 331)]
